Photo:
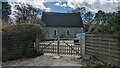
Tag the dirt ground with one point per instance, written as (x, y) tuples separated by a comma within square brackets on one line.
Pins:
[(45, 60)]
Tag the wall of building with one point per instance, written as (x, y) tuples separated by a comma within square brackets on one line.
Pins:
[(62, 32)]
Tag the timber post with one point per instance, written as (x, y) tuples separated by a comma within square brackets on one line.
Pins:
[(37, 44), (58, 44)]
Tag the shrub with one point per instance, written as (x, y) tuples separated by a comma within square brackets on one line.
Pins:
[(18, 40)]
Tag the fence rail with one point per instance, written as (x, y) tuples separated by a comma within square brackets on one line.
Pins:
[(105, 47), (63, 49)]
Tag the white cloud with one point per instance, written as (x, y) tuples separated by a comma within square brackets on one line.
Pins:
[(64, 5), (61, 5), (55, 0), (35, 3), (57, 4), (47, 9), (93, 5)]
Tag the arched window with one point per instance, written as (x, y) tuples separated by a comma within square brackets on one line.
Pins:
[(68, 32), (55, 32)]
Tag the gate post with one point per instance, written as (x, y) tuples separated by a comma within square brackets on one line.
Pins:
[(83, 46), (37, 44), (58, 43)]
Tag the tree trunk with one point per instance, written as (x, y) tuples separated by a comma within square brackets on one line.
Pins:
[(90, 28)]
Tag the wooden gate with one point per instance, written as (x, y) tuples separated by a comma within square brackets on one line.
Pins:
[(60, 49)]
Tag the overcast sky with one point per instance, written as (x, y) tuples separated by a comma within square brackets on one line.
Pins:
[(92, 5)]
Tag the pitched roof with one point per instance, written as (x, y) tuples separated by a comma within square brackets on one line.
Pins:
[(53, 19)]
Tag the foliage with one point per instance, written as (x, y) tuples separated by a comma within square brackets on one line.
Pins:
[(107, 22), (100, 28), (17, 40), (82, 10), (6, 11), (27, 14), (86, 27), (24, 31), (87, 17), (88, 20), (103, 22)]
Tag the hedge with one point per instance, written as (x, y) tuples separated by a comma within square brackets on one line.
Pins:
[(17, 40)]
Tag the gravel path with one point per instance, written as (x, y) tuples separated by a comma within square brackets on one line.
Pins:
[(45, 60)]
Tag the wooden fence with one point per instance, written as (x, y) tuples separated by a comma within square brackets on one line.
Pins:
[(17, 51), (105, 47), (61, 50)]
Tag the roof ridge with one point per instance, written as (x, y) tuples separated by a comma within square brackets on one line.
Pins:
[(62, 13)]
